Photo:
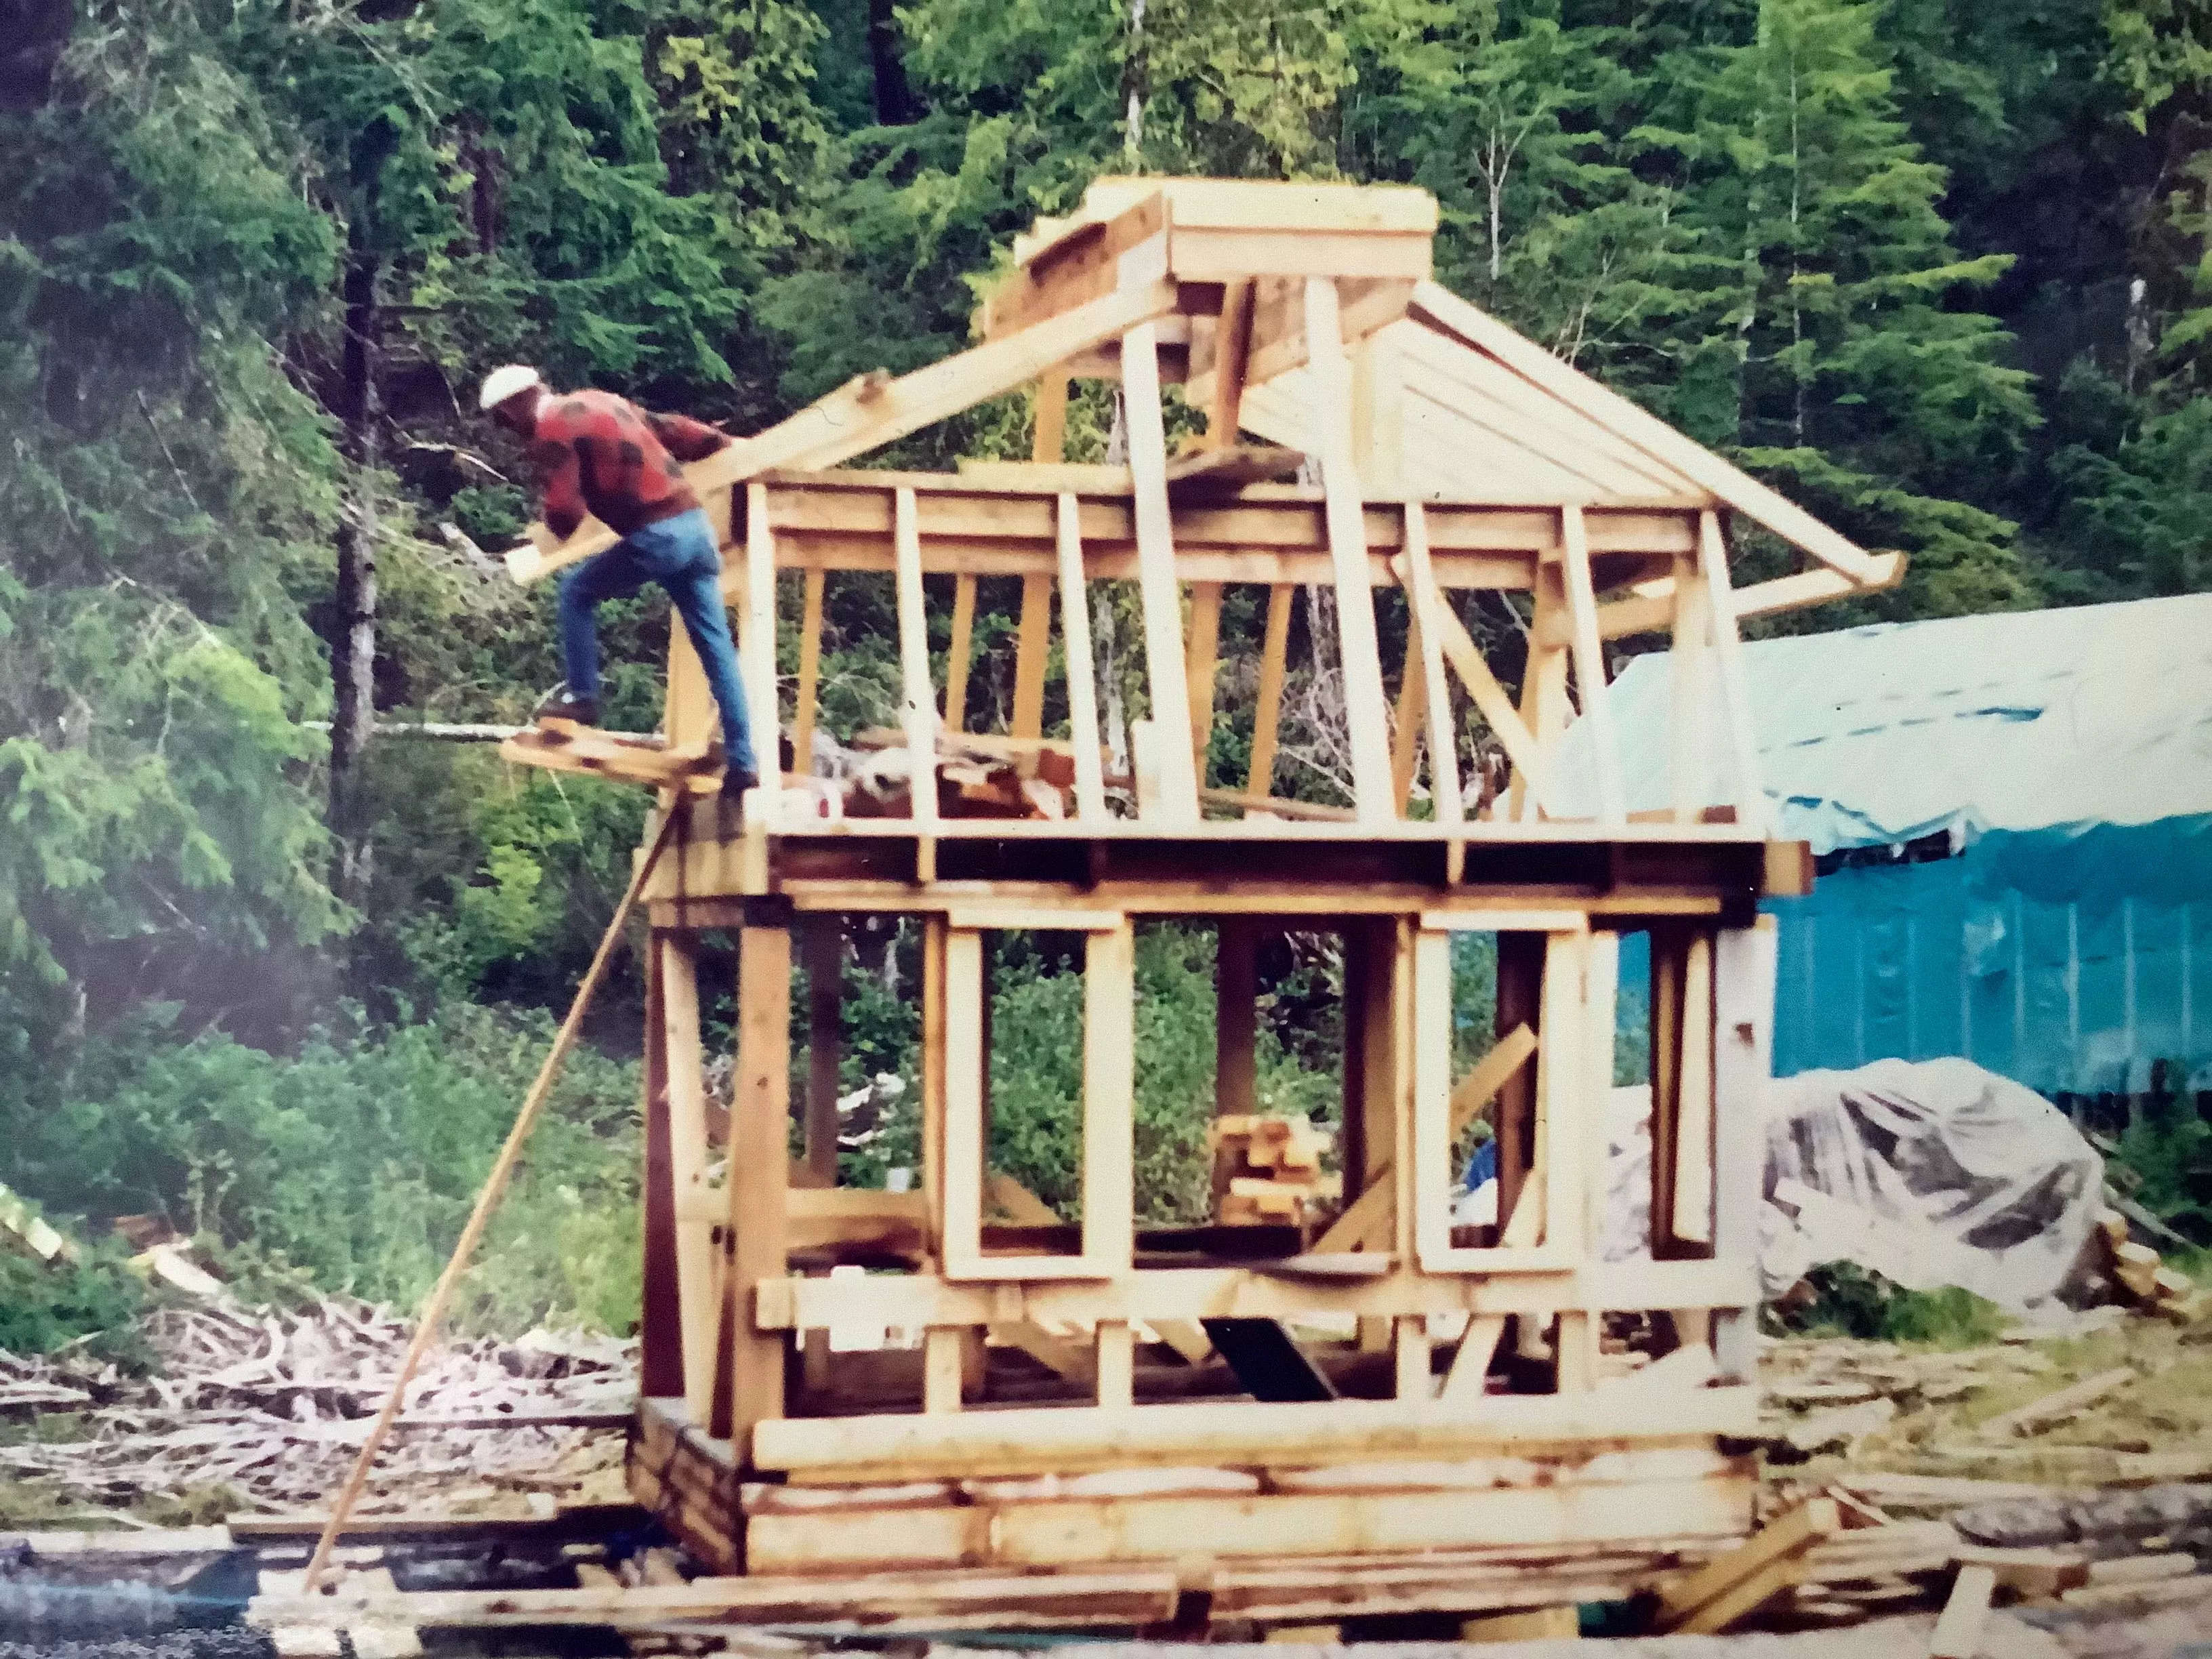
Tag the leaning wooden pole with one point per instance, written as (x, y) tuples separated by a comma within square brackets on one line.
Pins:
[(487, 1200)]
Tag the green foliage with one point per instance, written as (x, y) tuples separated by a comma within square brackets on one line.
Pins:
[(1036, 1069), (504, 160), (2165, 1151), (1946, 1318), (1475, 997), (355, 1162), (2148, 505), (1850, 1300), (738, 120), (43, 1308), (2160, 48), (153, 821), (530, 872)]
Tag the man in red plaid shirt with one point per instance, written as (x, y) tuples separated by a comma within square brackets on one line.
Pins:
[(595, 453)]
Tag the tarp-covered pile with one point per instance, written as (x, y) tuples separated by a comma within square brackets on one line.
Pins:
[(1932, 1174)]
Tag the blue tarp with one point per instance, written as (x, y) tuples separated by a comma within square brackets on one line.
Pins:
[(2066, 754), (1915, 961)]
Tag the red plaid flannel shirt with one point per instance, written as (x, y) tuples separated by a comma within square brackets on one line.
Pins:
[(599, 453)]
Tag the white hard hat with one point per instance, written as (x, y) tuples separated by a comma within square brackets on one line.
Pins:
[(505, 381)]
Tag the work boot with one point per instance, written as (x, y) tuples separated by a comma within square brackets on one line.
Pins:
[(562, 711)]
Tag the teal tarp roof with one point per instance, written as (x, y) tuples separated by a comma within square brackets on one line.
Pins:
[(2020, 721)]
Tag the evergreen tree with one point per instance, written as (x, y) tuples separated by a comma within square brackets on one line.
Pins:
[(1860, 379), (164, 491), (740, 119)]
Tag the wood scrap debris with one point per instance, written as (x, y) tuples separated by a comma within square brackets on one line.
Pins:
[(977, 777), (22, 1228), (1267, 1168), (2139, 1276), (2055, 1409), (273, 1405), (1765, 1565)]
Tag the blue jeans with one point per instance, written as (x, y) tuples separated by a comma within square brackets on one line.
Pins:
[(679, 553)]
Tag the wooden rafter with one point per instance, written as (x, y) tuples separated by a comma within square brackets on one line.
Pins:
[(870, 412), (1644, 612), (1539, 432), (1562, 381)]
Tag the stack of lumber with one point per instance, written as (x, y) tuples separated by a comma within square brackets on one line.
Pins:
[(2139, 1275), (1267, 1169), (977, 777)]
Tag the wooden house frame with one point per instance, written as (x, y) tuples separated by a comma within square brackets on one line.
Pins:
[(1067, 1414)]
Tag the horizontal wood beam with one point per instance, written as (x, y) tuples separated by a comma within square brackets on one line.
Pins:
[(1038, 1439), (1653, 611), (877, 1602), (1238, 1293), (1079, 1531), (1016, 498), (1264, 542), (815, 894)]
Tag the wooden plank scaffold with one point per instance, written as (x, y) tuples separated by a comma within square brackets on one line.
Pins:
[(1093, 1411)]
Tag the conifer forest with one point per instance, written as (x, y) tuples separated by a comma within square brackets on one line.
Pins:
[(1940, 271)]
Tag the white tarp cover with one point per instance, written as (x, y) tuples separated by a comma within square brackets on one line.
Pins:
[(2015, 720), (1931, 1173)]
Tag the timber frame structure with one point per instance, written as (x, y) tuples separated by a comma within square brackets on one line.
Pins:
[(1097, 1397)]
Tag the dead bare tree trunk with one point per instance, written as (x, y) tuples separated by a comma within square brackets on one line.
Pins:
[(1135, 85), (352, 658)]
